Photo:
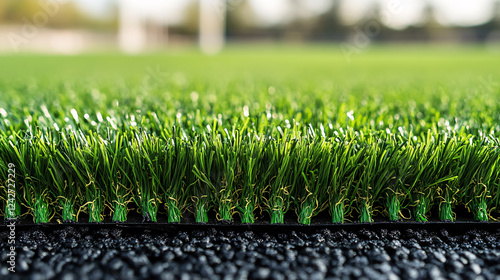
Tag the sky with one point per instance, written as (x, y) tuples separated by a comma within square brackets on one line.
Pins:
[(398, 14)]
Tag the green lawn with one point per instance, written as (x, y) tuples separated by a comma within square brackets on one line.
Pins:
[(394, 132)]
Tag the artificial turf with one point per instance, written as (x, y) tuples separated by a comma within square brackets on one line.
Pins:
[(391, 131)]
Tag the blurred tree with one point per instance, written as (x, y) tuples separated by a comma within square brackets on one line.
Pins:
[(191, 20), (60, 14), (3, 5), (238, 18), (15, 10), (326, 26)]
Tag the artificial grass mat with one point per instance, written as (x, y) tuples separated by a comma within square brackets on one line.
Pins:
[(394, 133)]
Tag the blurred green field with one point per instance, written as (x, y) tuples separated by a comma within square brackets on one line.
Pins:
[(394, 108), (242, 76)]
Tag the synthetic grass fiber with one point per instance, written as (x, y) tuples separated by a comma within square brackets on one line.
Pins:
[(396, 132)]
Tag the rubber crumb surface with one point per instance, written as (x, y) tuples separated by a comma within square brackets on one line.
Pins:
[(85, 253)]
